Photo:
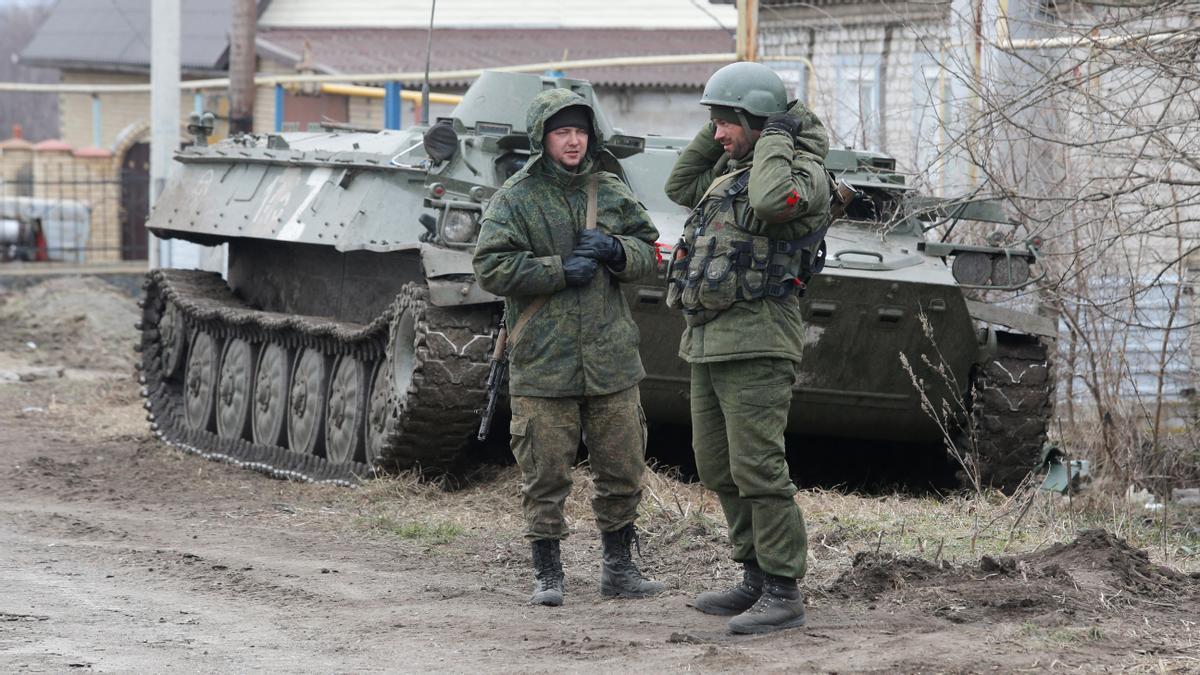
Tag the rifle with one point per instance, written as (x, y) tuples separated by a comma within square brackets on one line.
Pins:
[(497, 370)]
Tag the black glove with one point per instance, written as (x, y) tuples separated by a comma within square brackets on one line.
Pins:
[(601, 247), (578, 270), (782, 123)]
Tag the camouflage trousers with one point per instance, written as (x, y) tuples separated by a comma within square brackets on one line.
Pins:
[(545, 437), (739, 413)]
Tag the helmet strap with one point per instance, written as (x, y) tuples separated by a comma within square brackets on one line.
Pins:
[(745, 125)]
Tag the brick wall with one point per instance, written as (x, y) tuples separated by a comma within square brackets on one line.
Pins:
[(93, 179), (16, 168), (53, 170), (896, 56), (666, 112), (122, 111)]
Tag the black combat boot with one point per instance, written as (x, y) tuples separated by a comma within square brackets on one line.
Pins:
[(619, 577), (737, 599), (548, 574), (780, 606)]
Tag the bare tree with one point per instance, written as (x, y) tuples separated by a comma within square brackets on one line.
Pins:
[(1086, 117)]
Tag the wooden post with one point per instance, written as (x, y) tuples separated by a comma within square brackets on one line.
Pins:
[(747, 31), (242, 66)]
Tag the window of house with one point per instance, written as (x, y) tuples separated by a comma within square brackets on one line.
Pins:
[(795, 77), (857, 116)]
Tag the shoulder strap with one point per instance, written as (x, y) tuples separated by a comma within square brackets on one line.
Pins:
[(593, 190), (526, 315), (720, 180)]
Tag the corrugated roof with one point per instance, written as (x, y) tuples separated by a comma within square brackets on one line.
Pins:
[(675, 14), (116, 33), (821, 3), (379, 50)]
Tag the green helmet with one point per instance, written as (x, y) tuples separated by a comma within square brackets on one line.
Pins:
[(747, 86)]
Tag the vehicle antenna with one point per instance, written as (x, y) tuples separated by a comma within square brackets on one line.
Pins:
[(428, 50)]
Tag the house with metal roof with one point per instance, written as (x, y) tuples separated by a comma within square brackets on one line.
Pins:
[(108, 41), (362, 36)]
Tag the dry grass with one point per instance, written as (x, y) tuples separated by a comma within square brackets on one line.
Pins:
[(683, 530), (1126, 452), (488, 505), (682, 527)]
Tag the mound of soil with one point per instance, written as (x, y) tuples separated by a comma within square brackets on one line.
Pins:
[(873, 574), (1099, 561), (1096, 571), (77, 322)]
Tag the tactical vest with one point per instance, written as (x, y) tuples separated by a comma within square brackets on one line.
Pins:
[(718, 262)]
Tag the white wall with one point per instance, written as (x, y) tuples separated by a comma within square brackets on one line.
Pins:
[(876, 75), (664, 112), (900, 78)]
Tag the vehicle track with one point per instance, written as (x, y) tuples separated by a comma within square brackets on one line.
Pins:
[(427, 425), (1011, 403)]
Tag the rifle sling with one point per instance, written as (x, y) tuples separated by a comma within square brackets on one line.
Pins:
[(720, 180), (593, 189)]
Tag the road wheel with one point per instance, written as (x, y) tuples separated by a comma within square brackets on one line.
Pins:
[(233, 389), (345, 410), (172, 340), (306, 402), (200, 381), (271, 378), (379, 420)]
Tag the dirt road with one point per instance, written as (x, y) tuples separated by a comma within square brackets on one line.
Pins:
[(118, 553)]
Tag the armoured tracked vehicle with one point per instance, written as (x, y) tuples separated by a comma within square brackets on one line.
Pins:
[(349, 335)]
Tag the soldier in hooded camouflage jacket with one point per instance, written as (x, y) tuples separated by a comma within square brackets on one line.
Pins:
[(574, 366)]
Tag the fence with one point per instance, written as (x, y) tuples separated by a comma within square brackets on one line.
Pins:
[(79, 206)]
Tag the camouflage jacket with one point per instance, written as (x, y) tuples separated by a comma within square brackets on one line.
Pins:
[(789, 196), (583, 341)]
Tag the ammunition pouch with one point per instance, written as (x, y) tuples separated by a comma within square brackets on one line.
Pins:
[(733, 265), (717, 263)]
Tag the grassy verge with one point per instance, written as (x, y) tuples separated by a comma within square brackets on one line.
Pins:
[(683, 530), (417, 530)]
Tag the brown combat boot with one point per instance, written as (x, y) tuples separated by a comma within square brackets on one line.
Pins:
[(619, 577), (548, 584), (780, 606), (736, 599)]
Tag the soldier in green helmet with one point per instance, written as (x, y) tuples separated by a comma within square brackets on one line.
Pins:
[(756, 181), (556, 241)]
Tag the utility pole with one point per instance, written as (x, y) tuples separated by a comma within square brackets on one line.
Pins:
[(165, 34), (242, 66), (747, 30)]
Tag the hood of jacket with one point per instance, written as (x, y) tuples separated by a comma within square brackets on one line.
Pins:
[(544, 106)]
